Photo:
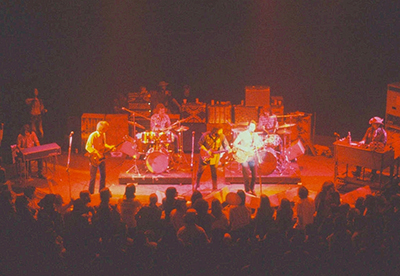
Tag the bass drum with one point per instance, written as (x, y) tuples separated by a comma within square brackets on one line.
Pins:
[(157, 161), (267, 161)]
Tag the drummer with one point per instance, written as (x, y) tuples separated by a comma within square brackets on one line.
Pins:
[(267, 122), (159, 121)]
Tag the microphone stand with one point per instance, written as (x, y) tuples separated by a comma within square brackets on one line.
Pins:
[(68, 162), (191, 161)]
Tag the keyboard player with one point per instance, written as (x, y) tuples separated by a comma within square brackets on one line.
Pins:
[(27, 139), (375, 138)]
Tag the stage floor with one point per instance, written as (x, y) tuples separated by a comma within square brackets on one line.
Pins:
[(310, 171), (181, 172)]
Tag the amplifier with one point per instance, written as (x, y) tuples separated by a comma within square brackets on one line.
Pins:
[(393, 106), (219, 114), (393, 139), (196, 112), (187, 136), (257, 95), (244, 114), (118, 126)]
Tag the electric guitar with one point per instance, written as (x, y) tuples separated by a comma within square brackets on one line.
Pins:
[(95, 160), (241, 154), (206, 155)]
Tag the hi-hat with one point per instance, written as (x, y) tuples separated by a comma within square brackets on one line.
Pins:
[(182, 128), (284, 131)]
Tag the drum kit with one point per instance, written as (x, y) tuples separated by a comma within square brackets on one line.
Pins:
[(273, 155), (157, 147)]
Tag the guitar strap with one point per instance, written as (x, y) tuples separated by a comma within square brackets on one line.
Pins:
[(252, 140)]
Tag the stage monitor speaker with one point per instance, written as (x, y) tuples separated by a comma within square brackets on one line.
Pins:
[(257, 96), (198, 129), (295, 150)]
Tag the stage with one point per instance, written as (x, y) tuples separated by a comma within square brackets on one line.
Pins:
[(308, 170)]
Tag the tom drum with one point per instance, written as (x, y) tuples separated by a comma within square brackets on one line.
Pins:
[(166, 137), (272, 140)]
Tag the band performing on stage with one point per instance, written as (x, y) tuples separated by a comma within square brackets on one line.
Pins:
[(261, 142)]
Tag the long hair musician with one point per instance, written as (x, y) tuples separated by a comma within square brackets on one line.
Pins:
[(212, 144)]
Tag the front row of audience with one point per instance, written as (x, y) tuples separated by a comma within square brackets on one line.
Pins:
[(313, 237)]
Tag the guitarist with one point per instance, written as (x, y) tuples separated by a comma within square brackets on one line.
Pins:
[(246, 144), (210, 143), (96, 146)]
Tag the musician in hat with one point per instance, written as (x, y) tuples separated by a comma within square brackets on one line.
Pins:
[(165, 97), (375, 138)]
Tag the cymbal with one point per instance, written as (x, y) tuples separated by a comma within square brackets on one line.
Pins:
[(286, 125), (181, 121), (284, 131), (135, 113), (136, 124), (182, 128)]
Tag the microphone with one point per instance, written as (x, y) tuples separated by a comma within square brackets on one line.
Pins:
[(72, 133), (336, 134)]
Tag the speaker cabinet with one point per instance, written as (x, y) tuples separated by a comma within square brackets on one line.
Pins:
[(258, 96), (393, 106), (244, 114), (198, 129)]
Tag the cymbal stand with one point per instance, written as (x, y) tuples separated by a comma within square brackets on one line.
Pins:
[(286, 163), (181, 161), (134, 125), (134, 168)]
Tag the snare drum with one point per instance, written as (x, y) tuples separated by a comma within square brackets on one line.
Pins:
[(157, 161), (272, 140), (267, 161)]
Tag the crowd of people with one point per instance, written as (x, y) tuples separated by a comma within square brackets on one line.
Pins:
[(194, 237)]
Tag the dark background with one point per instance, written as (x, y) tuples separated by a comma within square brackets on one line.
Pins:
[(330, 58)]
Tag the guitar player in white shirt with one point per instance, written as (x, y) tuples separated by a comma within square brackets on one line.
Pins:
[(245, 146)]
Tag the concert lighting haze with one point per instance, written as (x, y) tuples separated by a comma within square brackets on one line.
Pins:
[(333, 59)]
